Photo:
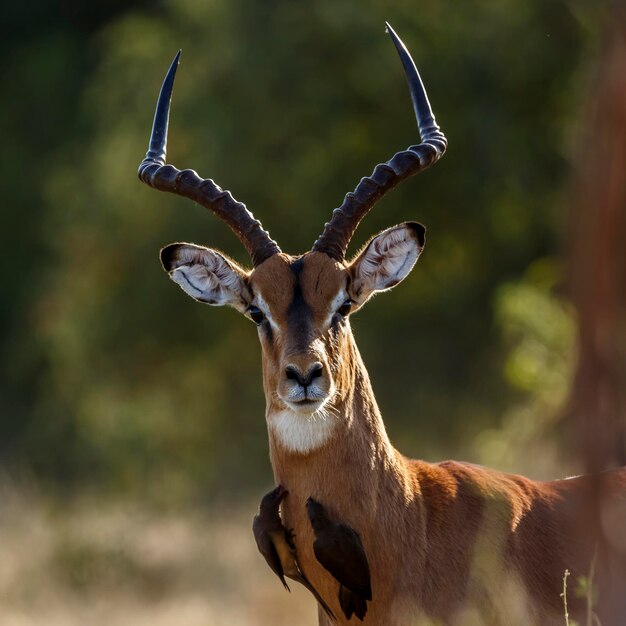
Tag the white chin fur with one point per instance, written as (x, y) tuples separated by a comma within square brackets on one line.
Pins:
[(301, 432)]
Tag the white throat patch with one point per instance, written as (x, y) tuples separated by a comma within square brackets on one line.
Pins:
[(301, 433)]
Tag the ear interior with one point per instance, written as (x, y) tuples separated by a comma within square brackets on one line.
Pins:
[(386, 259), (206, 275)]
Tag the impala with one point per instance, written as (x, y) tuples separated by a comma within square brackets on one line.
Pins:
[(447, 543)]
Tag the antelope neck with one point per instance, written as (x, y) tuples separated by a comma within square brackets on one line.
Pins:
[(354, 452)]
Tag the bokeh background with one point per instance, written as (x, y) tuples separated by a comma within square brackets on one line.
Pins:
[(133, 447)]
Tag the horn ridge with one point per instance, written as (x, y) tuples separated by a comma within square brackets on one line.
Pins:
[(154, 171), (338, 232)]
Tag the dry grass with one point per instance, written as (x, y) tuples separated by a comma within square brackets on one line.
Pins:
[(115, 565)]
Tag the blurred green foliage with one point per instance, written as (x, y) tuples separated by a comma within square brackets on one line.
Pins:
[(113, 379), (538, 327)]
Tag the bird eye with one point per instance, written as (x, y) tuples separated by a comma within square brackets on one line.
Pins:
[(344, 309), (256, 314)]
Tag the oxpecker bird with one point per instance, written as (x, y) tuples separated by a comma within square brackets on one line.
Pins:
[(339, 550), (276, 545)]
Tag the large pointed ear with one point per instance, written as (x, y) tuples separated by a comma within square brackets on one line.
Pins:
[(386, 260), (206, 275)]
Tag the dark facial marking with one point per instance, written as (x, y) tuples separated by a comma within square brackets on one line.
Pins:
[(299, 313), (296, 266), (269, 333), (335, 322)]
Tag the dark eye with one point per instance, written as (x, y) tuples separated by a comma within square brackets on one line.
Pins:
[(344, 309), (256, 314)]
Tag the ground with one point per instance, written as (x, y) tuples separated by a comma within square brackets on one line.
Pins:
[(112, 564)]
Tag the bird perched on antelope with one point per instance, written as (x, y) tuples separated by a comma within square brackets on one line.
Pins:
[(276, 545), (339, 550)]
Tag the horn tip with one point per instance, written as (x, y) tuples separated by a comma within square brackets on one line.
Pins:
[(175, 62), (397, 42), (389, 30)]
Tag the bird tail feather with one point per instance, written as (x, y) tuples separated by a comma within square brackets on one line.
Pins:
[(319, 598), (351, 603)]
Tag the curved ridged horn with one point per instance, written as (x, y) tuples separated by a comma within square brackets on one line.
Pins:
[(338, 231), (154, 172)]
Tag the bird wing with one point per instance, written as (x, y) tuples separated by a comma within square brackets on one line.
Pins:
[(339, 550), (268, 549)]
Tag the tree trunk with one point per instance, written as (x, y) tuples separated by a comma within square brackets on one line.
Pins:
[(597, 279)]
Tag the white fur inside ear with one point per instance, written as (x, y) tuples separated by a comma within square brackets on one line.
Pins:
[(386, 260), (208, 277)]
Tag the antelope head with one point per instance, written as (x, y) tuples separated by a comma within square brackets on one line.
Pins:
[(300, 304)]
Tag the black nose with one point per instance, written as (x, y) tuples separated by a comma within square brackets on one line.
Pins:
[(294, 373)]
